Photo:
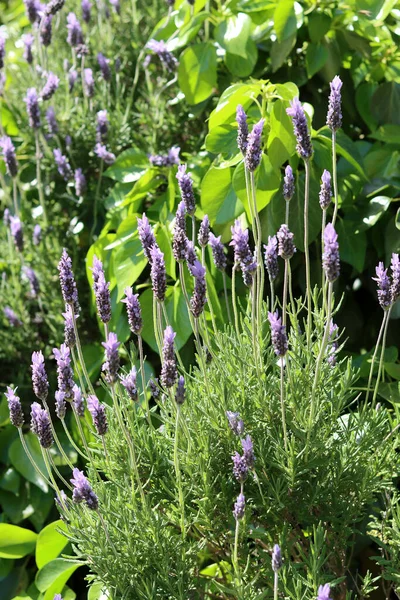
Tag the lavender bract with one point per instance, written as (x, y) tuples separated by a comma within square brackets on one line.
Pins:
[(240, 243), (243, 129), (46, 30), (52, 124), (334, 116), (54, 6), (28, 40), (40, 382), (50, 86), (325, 192), (271, 257), (104, 65), (67, 281), (395, 268), (102, 125), (83, 490), (15, 408), (98, 413), (240, 468), (2, 51), (65, 375), (254, 149), (111, 364), (288, 184), (101, 291), (146, 236), (63, 166), (198, 299), (276, 558), (41, 425), (33, 281), (32, 107), (75, 36), (17, 233), (32, 9), (186, 188), (129, 383), (330, 257), (296, 111), (204, 232), (154, 388), (278, 334), (235, 422), (133, 310), (88, 87), (286, 247), (248, 451), (169, 372), (104, 154), (191, 256), (86, 10), (10, 159), (384, 286), (218, 253), (69, 331), (324, 592), (239, 507), (77, 402), (61, 405), (37, 235), (158, 273), (72, 79), (161, 160)]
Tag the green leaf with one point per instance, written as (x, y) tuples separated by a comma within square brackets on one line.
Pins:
[(373, 212), (127, 260), (218, 197), (390, 134), (390, 392), (344, 147), (397, 219), (57, 571), (316, 57), (233, 34), (239, 66), (129, 166), (393, 370), (22, 464), (281, 50), (97, 591), (352, 245), (16, 542), (318, 25), (385, 103), (281, 142), (267, 183), (225, 111), (285, 22), (188, 32), (364, 94), (50, 543), (197, 72), (10, 481), (222, 140), (148, 182), (5, 567), (163, 238)]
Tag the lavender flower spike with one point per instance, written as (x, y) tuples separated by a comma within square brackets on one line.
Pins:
[(325, 192), (50, 86), (30, 275), (101, 292), (330, 257), (63, 166), (384, 286), (167, 59), (248, 452), (86, 8), (186, 187), (278, 334), (146, 236), (286, 247), (83, 490), (80, 183), (41, 425), (32, 107), (46, 30), (129, 383), (67, 281), (52, 124), (75, 36), (65, 375), (240, 243), (2, 51), (133, 310), (296, 111), (180, 216), (288, 184), (40, 382), (243, 129), (218, 253), (10, 159), (77, 402), (98, 413), (88, 87), (17, 233), (28, 40), (180, 391), (15, 408), (334, 116), (104, 154), (61, 405), (276, 558), (168, 372), (239, 507), (395, 287), (158, 273), (104, 65), (11, 317), (102, 125), (271, 257), (37, 235), (324, 592), (54, 6), (254, 149), (240, 468), (198, 299), (69, 331), (204, 232), (235, 422), (111, 365), (32, 10)]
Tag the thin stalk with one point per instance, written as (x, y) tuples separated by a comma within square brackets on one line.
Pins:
[(77, 369), (178, 473), (287, 212), (260, 266), (71, 441), (334, 174), (39, 179), (106, 455), (323, 272), (55, 486), (55, 436), (276, 577), (107, 533), (283, 403), (84, 441), (210, 306), (141, 359), (271, 285), (306, 251), (285, 292), (80, 354), (58, 473), (15, 201), (226, 296), (96, 198), (292, 304), (193, 229), (382, 356), (253, 292), (235, 312), (156, 332), (31, 460), (378, 341)]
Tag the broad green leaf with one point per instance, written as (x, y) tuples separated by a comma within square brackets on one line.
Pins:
[(316, 57), (318, 25), (233, 34), (344, 147), (163, 238), (281, 50), (393, 370), (5, 567), (197, 72), (16, 542), (188, 32), (285, 20), (239, 66), (57, 571), (127, 260), (397, 219), (373, 211), (364, 93), (98, 591), (352, 245), (4, 412), (129, 166), (390, 392), (267, 184), (222, 140), (218, 197), (225, 111), (281, 142), (146, 183), (22, 464), (50, 543), (390, 134), (385, 103), (10, 481)]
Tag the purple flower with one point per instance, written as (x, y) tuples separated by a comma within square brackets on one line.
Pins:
[(6, 217), (198, 299), (154, 389), (191, 257), (218, 252), (180, 391), (243, 129), (37, 235), (240, 468), (86, 8), (186, 187), (276, 558), (286, 247), (296, 111), (180, 216), (104, 65), (2, 51), (179, 244), (248, 452), (167, 59), (324, 592), (161, 160), (240, 243), (333, 345), (325, 192), (32, 107), (51, 121), (72, 79), (334, 116), (384, 286), (80, 183), (33, 280), (330, 257), (133, 310), (54, 6), (15, 408), (101, 291), (204, 232), (111, 364), (69, 332), (168, 371), (17, 233), (271, 257), (67, 282), (65, 375), (75, 37), (61, 405), (129, 383), (278, 334), (28, 40), (235, 422), (98, 413), (104, 154), (63, 166), (46, 30), (102, 125), (77, 402), (40, 382), (146, 236), (8, 152), (83, 490), (50, 86), (158, 273), (68, 142), (89, 83), (288, 184), (239, 507), (11, 317), (254, 149), (41, 425), (32, 9), (395, 287)]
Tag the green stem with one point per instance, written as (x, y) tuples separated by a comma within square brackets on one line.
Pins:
[(53, 464), (84, 442), (55, 436), (55, 486), (96, 198), (378, 341), (193, 230), (71, 441), (235, 312), (285, 292), (141, 359), (323, 272), (334, 175), (39, 179), (260, 266), (226, 296), (382, 356), (283, 402), (287, 212), (276, 585), (178, 473), (80, 354), (30, 457), (306, 251), (15, 202)]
